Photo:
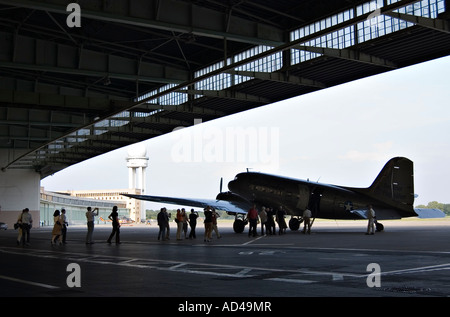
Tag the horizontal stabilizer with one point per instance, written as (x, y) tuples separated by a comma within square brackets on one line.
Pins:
[(361, 213), (429, 213)]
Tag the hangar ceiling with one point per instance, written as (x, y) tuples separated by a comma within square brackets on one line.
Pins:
[(137, 69)]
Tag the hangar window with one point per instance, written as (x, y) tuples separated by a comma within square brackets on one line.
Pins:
[(369, 29)]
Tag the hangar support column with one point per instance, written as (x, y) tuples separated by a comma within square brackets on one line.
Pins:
[(19, 189)]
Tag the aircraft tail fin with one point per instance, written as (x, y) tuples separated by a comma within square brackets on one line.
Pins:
[(395, 183)]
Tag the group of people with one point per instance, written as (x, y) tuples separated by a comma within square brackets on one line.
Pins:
[(267, 217), (60, 224), (113, 216), (59, 227), (24, 224), (183, 219)]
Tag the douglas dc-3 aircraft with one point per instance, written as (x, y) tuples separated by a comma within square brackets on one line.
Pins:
[(391, 195)]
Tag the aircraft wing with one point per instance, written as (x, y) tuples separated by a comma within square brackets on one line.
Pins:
[(228, 206), (429, 213)]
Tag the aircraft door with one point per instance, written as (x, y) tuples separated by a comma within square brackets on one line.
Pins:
[(314, 202)]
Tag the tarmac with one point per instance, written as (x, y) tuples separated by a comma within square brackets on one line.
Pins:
[(410, 258)]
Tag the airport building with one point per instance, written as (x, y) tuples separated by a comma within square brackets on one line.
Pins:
[(76, 201), (76, 208), (112, 197)]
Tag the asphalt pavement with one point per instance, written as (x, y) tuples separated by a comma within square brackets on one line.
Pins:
[(410, 258)]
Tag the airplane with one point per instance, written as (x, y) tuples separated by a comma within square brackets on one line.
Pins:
[(391, 196)]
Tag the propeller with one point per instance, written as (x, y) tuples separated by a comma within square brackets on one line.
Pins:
[(221, 182)]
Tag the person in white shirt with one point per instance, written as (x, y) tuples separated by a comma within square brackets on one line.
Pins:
[(371, 217), (90, 216), (307, 221)]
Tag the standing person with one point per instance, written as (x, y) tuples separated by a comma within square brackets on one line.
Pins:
[(114, 217), (208, 224), (193, 223), (18, 226), (90, 216), (371, 217), (307, 220), (57, 228), (281, 222), (27, 222), (270, 221), (168, 224), (252, 216), (185, 222), (263, 218), (163, 221), (63, 220), (215, 215), (179, 221)]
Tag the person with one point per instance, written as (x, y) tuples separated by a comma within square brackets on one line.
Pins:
[(114, 217), (307, 220), (371, 217), (270, 221), (168, 224), (263, 218), (252, 216), (215, 215), (179, 221), (281, 222), (192, 223), (163, 222), (26, 223), (185, 222), (57, 228), (63, 220), (208, 224), (90, 216), (18, 226)]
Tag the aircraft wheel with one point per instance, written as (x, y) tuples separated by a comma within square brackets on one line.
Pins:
[(294, 224), (379, 227), (239, 226)]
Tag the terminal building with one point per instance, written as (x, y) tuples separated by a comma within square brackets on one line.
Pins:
[(111, 197), (75, 202), (76, 208)]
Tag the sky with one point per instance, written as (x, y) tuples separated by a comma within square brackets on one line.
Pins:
[(342, 135)]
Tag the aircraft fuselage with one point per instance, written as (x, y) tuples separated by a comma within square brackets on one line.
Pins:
[(324, 201)]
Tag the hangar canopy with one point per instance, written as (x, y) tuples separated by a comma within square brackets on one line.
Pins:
[(136, 69)]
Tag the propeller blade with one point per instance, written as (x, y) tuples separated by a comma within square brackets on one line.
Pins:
[(221, 182)]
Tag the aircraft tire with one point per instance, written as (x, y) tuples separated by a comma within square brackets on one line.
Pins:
[(239, 226), (379, 227), (294, 224)]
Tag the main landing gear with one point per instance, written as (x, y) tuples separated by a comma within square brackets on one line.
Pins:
[(378, 226), (240, 221), (295, 222)]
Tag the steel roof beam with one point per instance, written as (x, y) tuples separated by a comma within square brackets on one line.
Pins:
[(46, 56), (184, 108), (280, 77), (434, 24), (349, 54), (168, 15), (227, 94)]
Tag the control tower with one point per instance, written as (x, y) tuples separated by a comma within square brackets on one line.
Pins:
[(137, 162)]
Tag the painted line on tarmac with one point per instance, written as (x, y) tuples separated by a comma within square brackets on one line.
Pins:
[(27, 282), (217, 270), (251, 241)]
